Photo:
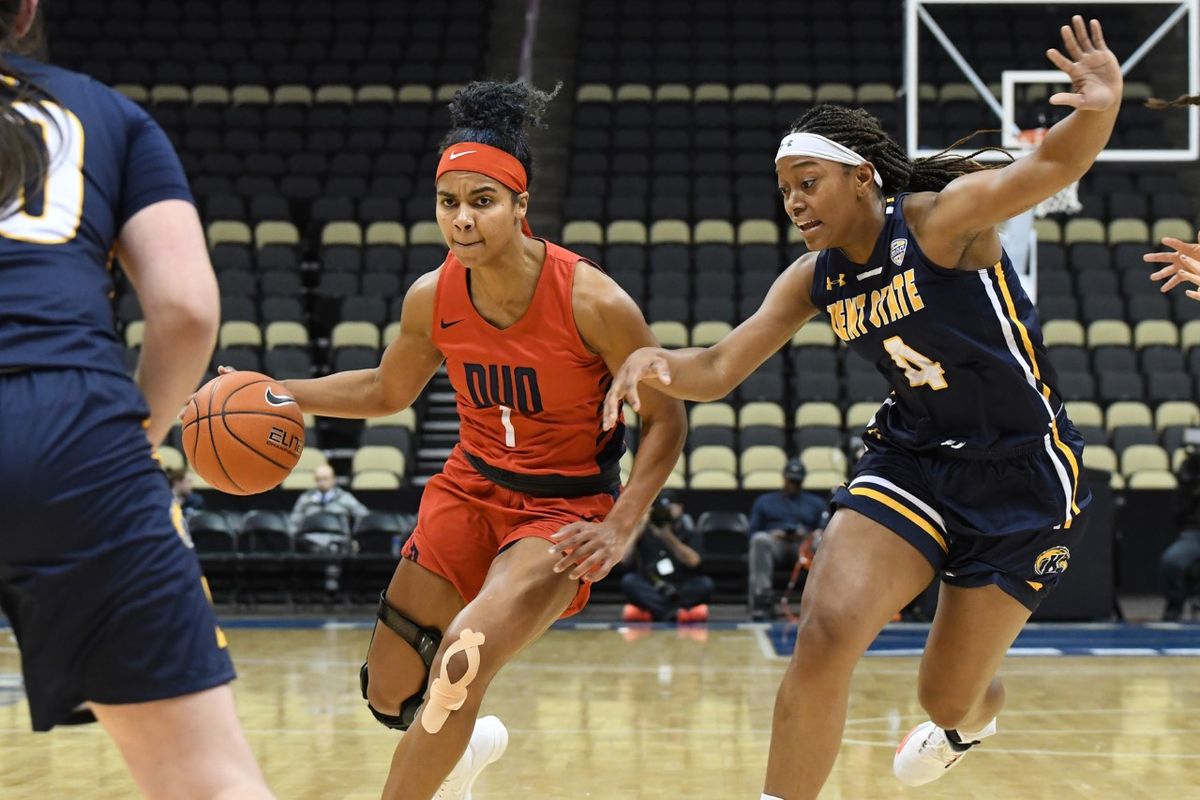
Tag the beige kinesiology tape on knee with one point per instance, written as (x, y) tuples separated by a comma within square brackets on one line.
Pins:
[(446, 695)]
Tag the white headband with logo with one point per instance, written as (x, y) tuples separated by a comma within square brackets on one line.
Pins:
[(818, 146)]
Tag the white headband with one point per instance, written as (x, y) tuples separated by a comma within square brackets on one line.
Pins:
[(818, 146)]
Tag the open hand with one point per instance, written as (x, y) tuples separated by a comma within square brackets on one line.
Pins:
[(1093, 69), (594, 548), (644, 363), (1183, 265)]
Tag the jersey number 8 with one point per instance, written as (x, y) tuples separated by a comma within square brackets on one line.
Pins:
[(62, 191)]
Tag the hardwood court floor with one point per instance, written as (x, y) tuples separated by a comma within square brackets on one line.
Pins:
[(592, 715)]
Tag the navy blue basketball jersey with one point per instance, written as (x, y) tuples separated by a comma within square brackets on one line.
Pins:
[(108, 160), (962, 349)]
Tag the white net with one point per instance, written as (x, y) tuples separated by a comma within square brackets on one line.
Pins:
[(1066, 200)]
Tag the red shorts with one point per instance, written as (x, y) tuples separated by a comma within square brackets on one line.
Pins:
[(466, 520)]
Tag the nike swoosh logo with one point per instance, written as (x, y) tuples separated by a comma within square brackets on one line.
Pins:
[(461, 153), (277, 400), (445, 324)]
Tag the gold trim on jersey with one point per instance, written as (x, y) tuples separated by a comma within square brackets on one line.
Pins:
[(1027, 344), (911, 515)]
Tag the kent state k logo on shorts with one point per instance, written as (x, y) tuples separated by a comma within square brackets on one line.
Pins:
[(1052, 561)]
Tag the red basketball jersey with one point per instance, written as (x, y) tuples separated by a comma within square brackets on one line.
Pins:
[(529, 396)]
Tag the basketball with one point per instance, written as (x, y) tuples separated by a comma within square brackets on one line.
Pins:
[(243, 433)]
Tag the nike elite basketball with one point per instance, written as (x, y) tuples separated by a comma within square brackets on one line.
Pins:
[(243, 433)]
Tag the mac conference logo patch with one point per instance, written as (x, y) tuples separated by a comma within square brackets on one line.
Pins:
[(898, 248)]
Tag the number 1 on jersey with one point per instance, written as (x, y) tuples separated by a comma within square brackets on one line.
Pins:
[(918, 368), (510, 433)]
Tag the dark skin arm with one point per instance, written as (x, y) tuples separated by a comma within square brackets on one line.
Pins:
[(956, 227), (708, 373), (612, 326), (406, 367)]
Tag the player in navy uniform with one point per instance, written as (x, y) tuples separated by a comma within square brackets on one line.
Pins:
[(97, 576), (972, 467)]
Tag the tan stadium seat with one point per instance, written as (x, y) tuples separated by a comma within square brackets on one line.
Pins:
[(374, 479), (761, 413), (354, 334), (237, 333), (720, 414), (705, 334), (709, 457), (670, 231), (713, 479), (670, 333), (285, 333), (762, 457), (763, 480), (818, 414), (582, 232)]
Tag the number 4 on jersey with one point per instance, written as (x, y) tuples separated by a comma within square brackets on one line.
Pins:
[(918, 368)]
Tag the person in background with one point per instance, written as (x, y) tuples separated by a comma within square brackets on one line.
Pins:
[(1179, 565), (663, 582), (326, 496), (780, 523), (181, 487)]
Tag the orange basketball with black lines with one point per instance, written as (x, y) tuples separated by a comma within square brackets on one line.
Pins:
[(243, 432)]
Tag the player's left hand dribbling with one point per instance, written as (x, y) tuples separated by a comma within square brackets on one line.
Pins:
[(591, 548)]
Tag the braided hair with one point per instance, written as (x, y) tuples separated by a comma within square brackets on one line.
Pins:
[(1179, 102), (864, 134), (24, 159), (499, 115)]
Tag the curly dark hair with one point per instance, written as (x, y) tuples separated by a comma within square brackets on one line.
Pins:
[(864, 134), (500, 115)]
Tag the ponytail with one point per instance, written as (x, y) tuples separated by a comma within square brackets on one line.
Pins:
[(24, 160), (863, 133), (1178, 102)]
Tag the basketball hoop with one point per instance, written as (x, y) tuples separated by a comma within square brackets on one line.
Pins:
[(1066, 201)]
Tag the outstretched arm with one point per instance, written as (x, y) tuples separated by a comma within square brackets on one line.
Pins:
[(981, 200), (708, 373), (407, 365)]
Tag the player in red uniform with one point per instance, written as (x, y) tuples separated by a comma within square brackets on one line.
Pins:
[(530, 334)]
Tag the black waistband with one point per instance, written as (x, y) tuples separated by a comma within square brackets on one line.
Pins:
[(12, 370), (608, 480)]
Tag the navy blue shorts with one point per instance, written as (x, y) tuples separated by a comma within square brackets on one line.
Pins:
[(1009, 521), (97, 574)]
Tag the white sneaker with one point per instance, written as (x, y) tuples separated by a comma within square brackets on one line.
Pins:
[(925, 754), (488, 742)]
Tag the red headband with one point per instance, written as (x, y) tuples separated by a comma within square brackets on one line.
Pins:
[(486, 160)]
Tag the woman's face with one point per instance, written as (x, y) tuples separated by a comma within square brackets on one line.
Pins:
[(477, 215), (821, 198)]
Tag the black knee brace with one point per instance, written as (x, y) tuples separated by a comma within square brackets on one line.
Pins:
[(425, 641)]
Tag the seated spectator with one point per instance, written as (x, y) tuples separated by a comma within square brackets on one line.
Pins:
[(326, 496), (181, 487), (1179, 565), (663, 582), (780, 524)]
